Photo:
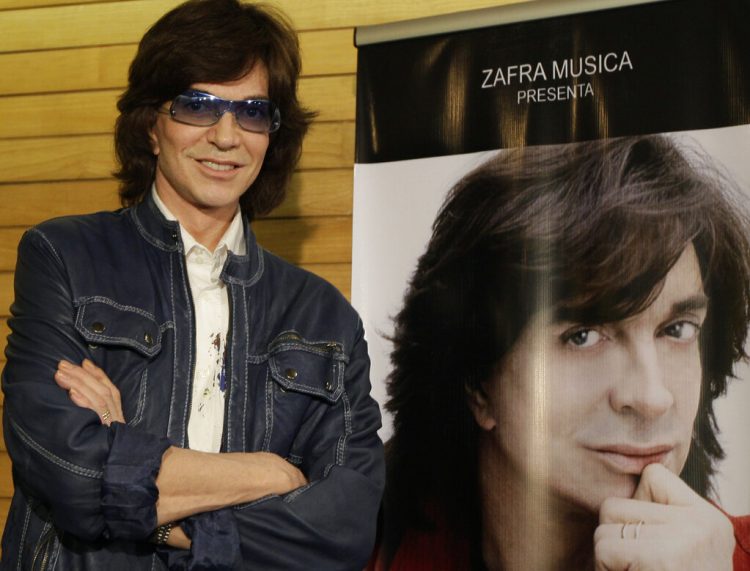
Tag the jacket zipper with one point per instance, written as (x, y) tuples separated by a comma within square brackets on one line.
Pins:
[(48, 536)]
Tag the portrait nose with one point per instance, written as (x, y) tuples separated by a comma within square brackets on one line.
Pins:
[(641, 388), (225, 133)]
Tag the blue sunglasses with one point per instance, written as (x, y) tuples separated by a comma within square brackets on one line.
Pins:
[(203, 109)]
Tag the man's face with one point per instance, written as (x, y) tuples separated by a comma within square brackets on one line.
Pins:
[(583, 409), (209, 168)]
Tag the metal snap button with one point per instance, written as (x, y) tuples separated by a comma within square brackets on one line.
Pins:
[(98, 327), (291, 374), (175, 235), (329, 386), (148, 339)]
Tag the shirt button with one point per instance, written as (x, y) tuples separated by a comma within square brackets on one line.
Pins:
[(291, 374), (98, 327)]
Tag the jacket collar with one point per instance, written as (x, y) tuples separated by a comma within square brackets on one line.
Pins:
[(165, 235)]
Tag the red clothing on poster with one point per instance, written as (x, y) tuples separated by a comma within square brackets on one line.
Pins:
[(428, 551), (742, 536)]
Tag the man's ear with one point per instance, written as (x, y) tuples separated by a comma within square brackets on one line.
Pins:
[(154, 140), (479, 404)]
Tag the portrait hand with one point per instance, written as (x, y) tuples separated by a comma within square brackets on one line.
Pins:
[(89, 387), (665, 526)]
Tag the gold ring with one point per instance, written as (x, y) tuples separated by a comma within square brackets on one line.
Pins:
[(105, 415)]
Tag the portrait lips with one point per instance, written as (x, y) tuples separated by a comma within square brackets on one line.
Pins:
[(628, 459)]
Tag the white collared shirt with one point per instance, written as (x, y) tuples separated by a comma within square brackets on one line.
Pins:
[(211, 305)]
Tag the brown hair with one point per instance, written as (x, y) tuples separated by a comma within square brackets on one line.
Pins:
[(592, 229), (211, 41)]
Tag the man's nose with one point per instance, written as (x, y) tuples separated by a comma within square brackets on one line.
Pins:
[(225, 133), (642, 388)]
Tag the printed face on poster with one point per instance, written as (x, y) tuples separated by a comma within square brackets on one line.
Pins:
[(584, 390)]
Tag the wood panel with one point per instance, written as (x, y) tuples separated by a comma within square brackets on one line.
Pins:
[(56, 158), (93, 112), (5, 502), (308, 240), (4, 332), (6, 292), (311, 193), (328, 145), (328, 52), (125, 22), (14, 4), (6, 482), (340, 275)]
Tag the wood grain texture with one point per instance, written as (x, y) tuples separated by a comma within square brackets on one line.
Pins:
[(6, 295), (15, 4), (94, 112), (6, 481), (125, 22), (340, 275), (308, 240), (4, 332), (326, 52)]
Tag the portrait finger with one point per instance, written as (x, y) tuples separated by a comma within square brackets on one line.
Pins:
[(622, 510), (659, 484)]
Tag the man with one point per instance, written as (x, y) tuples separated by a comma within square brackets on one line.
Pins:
[(577, 311), (176, 396)]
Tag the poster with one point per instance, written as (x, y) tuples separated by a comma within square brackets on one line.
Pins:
[(432, 109)]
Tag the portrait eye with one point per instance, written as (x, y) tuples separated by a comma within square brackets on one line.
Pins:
[(682, 330), (582, 338)]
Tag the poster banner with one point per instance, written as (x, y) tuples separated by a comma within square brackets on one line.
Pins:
[(595, 245)]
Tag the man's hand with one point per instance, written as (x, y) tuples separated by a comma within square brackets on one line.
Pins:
[(89, 387), (680, 531)]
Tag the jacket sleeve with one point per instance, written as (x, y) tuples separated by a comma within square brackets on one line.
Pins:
[(96, 481), (331, 523), (328, 524)]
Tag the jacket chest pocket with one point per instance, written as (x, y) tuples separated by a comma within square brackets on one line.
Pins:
[(304, 380), (122, 340)]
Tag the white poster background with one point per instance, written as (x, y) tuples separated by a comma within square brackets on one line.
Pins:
[(395, 204)]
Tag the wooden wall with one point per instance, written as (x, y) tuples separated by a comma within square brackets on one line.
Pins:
[(63, 64)]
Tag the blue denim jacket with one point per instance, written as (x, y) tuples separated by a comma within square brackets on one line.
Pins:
[(112, 287)]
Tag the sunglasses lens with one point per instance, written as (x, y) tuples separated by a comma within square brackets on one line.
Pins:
[(202, 110), (259, 116), (194, 110)]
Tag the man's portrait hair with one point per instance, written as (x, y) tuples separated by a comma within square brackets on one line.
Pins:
[(588, 231), (212, 41)]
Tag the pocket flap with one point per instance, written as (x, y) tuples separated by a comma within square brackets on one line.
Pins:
[(101, 321), (308, 370)]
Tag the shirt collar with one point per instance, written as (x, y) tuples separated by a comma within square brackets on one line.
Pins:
[(232, 240)]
